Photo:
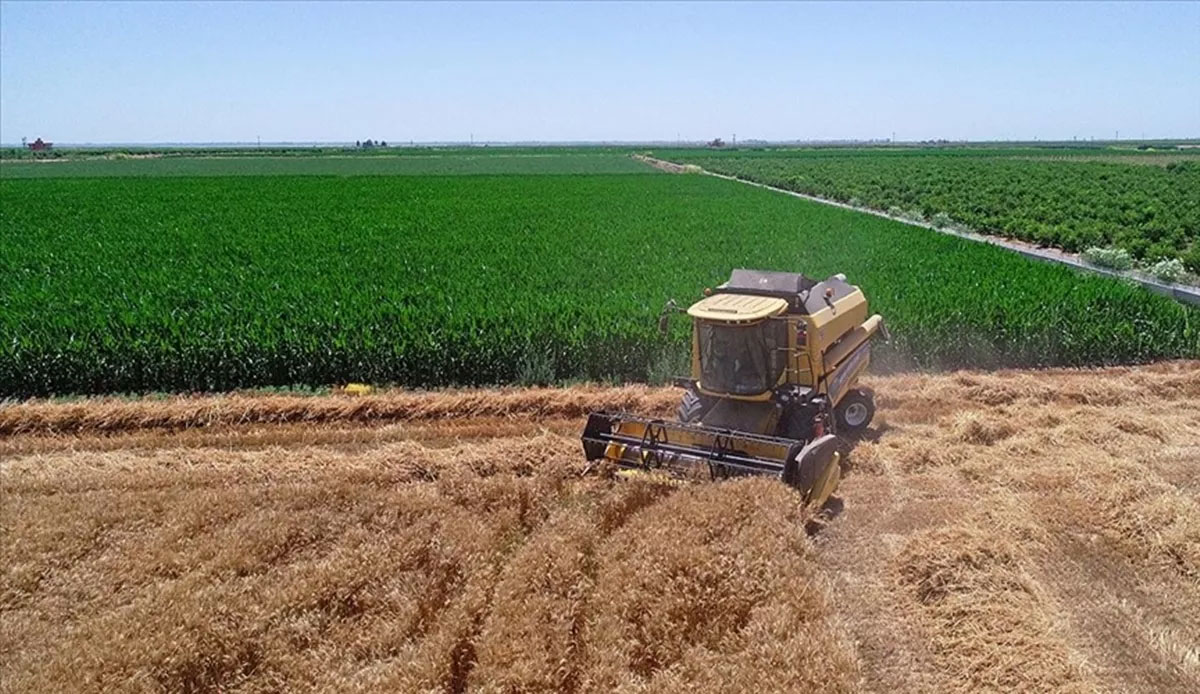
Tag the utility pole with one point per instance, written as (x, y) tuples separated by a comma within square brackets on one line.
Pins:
[(893, 140), (735, 139)]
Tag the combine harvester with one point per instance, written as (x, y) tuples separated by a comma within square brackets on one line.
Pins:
[(775, 361)]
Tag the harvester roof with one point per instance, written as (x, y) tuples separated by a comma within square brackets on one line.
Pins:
[(737, 307)]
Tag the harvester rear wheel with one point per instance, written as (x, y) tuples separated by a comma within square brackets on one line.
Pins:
[(855, 412)]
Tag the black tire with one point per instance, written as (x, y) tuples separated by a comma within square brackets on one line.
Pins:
[(855, 412), (692, 407)]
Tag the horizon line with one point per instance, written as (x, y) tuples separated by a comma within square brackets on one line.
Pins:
[(400, 144)]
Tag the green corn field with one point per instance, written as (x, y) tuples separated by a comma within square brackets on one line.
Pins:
[(215, 283)]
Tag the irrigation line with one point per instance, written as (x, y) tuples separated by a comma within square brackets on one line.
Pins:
[(1180, 292)]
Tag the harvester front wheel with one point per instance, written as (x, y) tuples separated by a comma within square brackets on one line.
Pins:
[(855, 412), (692, 407)]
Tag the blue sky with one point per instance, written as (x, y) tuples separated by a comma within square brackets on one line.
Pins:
[(204, 72)]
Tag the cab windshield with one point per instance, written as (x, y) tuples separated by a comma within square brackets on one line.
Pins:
[(742, 359)]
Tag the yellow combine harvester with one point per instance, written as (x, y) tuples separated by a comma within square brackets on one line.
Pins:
[(775, 360)]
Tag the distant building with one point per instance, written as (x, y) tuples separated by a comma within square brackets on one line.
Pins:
[(39, 146)]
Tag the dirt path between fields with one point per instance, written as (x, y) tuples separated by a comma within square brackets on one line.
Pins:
[(1008, 531)]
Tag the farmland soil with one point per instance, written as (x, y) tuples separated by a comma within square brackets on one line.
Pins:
[(1005, 531)]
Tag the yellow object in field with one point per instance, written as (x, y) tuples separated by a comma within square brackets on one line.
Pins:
[(357, 389)]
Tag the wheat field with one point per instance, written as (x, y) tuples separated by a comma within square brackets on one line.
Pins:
[(1005, 531)]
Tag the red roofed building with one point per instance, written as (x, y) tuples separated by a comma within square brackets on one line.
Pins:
[(39, 146)]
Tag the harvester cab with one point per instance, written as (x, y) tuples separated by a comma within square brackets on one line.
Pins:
[(776, 359)]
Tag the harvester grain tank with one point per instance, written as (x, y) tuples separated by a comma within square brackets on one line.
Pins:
[(776, 359)]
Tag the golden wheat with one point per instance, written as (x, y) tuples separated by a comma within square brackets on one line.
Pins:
[(1019, 530)]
